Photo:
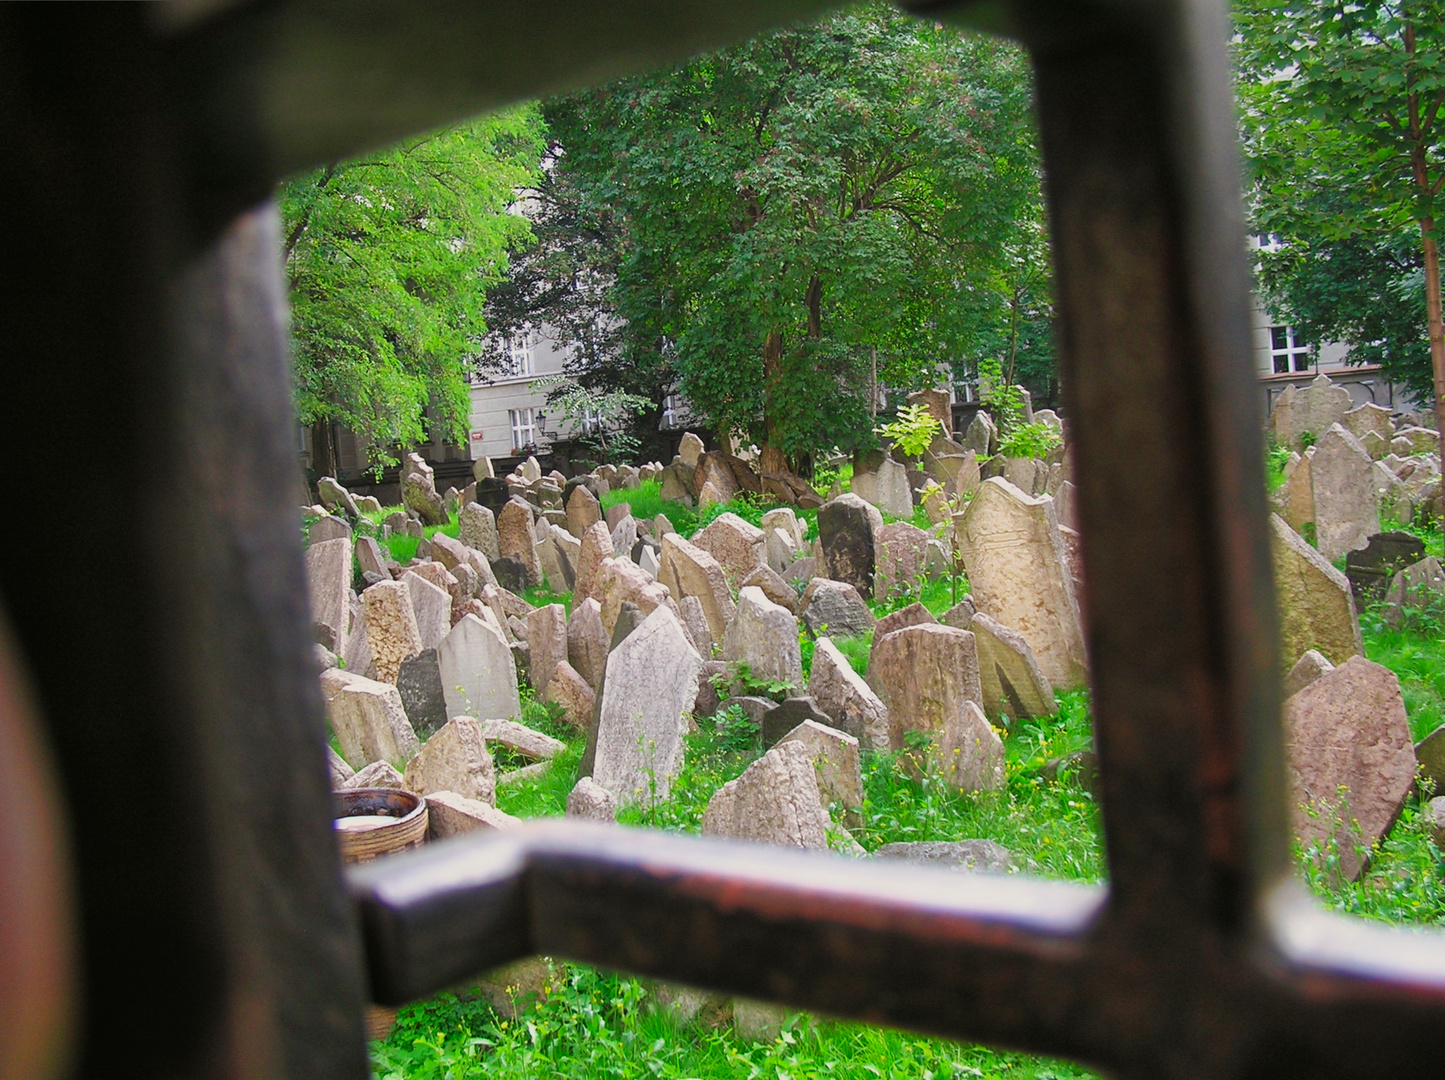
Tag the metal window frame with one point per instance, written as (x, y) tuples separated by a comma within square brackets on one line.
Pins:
[(213, 936)]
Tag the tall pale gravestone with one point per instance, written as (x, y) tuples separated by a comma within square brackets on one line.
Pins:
[(1016, 565), (1342, 479), (516, 540), (844, 695), (477, 528), (479, 676), (391, 628), (328, 585), (431, 607), (736, 544), (648, 693), (688, 570)]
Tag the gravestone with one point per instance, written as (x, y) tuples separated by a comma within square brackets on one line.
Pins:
[(735, 544), (847, 527), (648, 691), (596, 548), (690, 449), (1011, 680), (970, 753), (511, 574), (479, 676), (431, 607), (1306, 670), (455, 759), (836, 762), (328, 587), (516, 539), (775, 801), (1352, 762), (587, 642), (835, 608), (583, 511), (924, 675), (1347, 509), (367, 718), (1014, 555), (546, 644), (329, 527), (450, 814), (1311, 410), (391, 630), (688, 570), (419, 493), (900, 557), (786, 716), (1369, 569), (981, 436), (1316, 608), (477, 529), (764, 635), (1418, 587), (419, 682), (590, 801), (570, 692), (887, 488), (968, 856), (774, 588), (623, 581), (914, 614)]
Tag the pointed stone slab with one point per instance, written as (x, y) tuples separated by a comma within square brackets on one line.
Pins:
[(925, 674), (455, 759), (479, 676), (764, 635), (775, 801), (1012, 682), (1316, 608), (1018, 574), (688, 570), (648, 693), (367, 718), (843, 694)]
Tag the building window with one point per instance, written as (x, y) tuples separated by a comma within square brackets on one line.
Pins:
[(671, 407), (591, 421), (524, 428), (1287, 352), (519, 356)]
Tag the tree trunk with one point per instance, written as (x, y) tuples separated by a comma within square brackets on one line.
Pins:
[(323, 449), (772, 458), (1433, 314)]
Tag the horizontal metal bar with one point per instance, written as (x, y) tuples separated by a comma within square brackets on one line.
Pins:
[(935, 950)]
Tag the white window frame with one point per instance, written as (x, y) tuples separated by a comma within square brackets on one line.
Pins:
[(670, 406), (524, 427), (1295, 353), (520, 357)]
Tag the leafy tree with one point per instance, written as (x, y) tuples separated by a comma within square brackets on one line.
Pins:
[(791, 209), (387, 259), (1342, 106)]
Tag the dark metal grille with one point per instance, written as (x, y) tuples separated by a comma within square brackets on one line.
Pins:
[(217, 940)]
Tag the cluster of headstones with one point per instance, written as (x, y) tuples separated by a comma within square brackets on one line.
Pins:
[(699, 478), (1349, 466)]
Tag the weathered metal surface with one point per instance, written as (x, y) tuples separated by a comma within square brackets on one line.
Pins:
[(146, 322)]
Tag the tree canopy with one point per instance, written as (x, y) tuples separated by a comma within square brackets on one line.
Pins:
[(774, 220), (387, 259), (1342, 108)]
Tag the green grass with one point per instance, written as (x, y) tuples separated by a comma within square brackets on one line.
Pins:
[(646, 502), (591, 1024), (1416, 653)]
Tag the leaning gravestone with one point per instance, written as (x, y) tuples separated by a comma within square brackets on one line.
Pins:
[(511, 574), (455, 759), (596, 548), (688, 570), (419, 493), (367, 718), (847, 527), (836, 762), (1018, 574), (775, 801), (1370, 568), (648, 691), (587, 642), (981, 436), (546, 643), (479, 676), (431, 606), (914, 614), (1010, 677), (925, 675), (843, 695), (970, 753), (781, 719), (1316, 610), (1352, 763), (887, 488), (764, 635), (583, 511), (1347, 508), (736, 544)]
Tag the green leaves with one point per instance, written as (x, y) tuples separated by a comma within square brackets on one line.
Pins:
[(809, 207), (388, 259)]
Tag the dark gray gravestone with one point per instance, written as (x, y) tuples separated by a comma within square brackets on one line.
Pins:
[(846, 531), (1370, 567), (1430, 752), (419, 682), (792, 712), (511, 574)]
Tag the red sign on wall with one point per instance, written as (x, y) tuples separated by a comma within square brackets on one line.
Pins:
[(476, 436)]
